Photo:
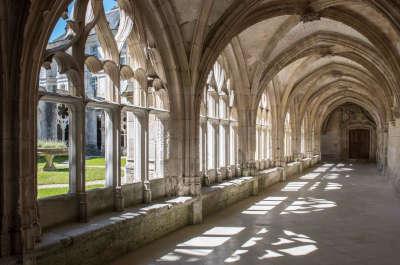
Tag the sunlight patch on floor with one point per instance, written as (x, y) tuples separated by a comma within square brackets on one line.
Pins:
[(264, 206), (308, 205), (294, 186)]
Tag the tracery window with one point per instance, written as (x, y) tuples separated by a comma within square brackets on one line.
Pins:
[(218, 131), (117, 117), (263, 131)]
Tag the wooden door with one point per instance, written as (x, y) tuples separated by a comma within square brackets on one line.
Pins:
[(359, 140)]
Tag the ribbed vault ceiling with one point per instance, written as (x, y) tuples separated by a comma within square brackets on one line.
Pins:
[(309, 55), (305, 53)]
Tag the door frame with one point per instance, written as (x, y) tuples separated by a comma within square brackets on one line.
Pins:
[(363, 153), (372, 142)]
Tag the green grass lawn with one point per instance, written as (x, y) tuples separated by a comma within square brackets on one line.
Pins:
[(43, 193), (95, 169), (61, 175)]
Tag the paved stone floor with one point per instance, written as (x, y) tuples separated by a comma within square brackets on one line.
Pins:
[(336, 214)]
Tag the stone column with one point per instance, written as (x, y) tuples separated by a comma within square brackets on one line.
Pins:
[(77, 158), (204, 133), (280, 145), (144, 143), (309, 141), (261, 148), (295, 126), (238, 167), (248, 134), (257, 145), (114, 156), (210, 153), (109, 146), (381, 149), (218, 176), (228, 150), (19, 220), (317, 144), (385, 136), (222, 150)]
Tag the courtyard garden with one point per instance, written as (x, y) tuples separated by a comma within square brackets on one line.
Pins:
[(56, 181)]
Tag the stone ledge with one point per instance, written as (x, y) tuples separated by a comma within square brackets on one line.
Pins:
[(222, 195), (110, 231), (267, 171), (62, 209), (108, 236)]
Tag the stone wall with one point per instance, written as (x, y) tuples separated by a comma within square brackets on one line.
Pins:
[(393, 154), (331, 140), (108, 236), (335, 132), (57, 210)]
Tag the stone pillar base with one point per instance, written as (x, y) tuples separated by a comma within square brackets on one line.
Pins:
[(218, 176), (282, 171), (253, 168), (207, 181), (118, 199), (238, 171), (301, 167), (172, 186), (224, 172), (254, 190), (197, 211), (229, 173), (146, 192), (196, 187), (83, 214)]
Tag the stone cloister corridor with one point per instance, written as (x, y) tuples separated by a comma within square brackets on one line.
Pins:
[(283, 225), (199, 132)]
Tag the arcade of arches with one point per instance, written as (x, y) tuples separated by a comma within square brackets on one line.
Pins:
[(124, 120)]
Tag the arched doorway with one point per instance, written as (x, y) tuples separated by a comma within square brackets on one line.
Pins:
[(349, 132)]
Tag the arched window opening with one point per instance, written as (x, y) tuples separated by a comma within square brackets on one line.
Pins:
[(107, 112), (269, 137), (263, 146), (97, 139), (303, 138), (158, 146), (218, 134), (287, 138), (53, 148), (234, 136), (131, 159)]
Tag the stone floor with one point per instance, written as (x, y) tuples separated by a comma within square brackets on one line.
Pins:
[(336, 214)]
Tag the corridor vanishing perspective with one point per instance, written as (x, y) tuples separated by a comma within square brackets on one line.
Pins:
[(283, 225), (242, 131)]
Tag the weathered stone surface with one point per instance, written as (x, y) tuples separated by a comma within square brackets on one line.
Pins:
[(263, 76), (106, 237)]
